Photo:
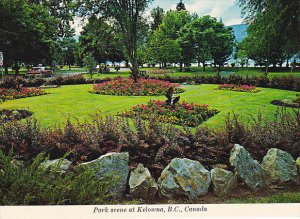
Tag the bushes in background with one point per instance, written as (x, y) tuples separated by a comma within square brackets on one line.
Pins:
[(284, 82)]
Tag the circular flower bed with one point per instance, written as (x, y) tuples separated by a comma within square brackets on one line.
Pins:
[(12, 115), (127, 87), (188, 114), (240, 88)]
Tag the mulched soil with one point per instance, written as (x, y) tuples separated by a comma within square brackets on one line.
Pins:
[(280, 103)]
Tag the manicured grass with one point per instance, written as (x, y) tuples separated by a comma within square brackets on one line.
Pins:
[(76, 101)]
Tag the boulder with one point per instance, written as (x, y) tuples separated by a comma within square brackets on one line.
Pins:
[(111, 167), (223, 181), (298, 164), (280, 167), (184, 178), (58, 165), (142, 185), (248, 169)]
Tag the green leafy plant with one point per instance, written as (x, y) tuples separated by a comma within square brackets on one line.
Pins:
[(89, 63), (31, 185)]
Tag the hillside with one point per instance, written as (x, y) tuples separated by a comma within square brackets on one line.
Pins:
[(240, 31)]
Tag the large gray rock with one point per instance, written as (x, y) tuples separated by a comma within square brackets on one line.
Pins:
[(298, 164), (142, 184), (248, 169), (223, 181), (184, 178), (58, 165), (111, 167), (280, 167)]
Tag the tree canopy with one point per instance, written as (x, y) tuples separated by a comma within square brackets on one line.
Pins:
[(126, 14), (28, 33)]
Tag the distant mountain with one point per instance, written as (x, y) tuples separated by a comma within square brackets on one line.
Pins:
[(240, 31)]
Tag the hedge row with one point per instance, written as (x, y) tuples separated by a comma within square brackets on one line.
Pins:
[(284, 82)]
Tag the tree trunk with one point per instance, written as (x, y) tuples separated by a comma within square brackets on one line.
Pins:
[(69, 67), (181, 67), (135, 70), (267, 68), (204, 66)]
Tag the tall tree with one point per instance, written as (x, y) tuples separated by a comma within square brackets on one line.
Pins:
[(162, 49), (126, 14), (157, 14), (280, 16), (69, 50), (172, 23), (64, 11), (101, 40), (28, 32), (180, 6), (201, 33), (222, 45)]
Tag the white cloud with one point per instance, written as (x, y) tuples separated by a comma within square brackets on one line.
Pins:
[(233, 21), (225, 9), (78, 25)]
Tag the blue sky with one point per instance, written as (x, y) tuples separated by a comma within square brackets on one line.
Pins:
[(228, 10)]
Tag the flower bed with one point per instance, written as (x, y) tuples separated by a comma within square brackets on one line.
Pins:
[(10, 94), (127, 87), (240, 88), (288, 102), (188, 114)]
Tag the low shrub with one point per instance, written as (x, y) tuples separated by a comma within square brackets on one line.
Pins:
[(152, 143), (127, 87), (186, 114), (240, 88), (285, 82), (11, 115), (10, 94), (30, 185)]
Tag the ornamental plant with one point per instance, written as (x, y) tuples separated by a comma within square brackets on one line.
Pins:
[(127, 87), (240, 88), (187, 114), (10, 94)]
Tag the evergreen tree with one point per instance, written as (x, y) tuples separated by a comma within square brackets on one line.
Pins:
[(180, 6)]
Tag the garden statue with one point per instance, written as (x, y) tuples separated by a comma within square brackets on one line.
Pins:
[(171, 101)]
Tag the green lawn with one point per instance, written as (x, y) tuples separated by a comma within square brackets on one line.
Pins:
[(76, 101)]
